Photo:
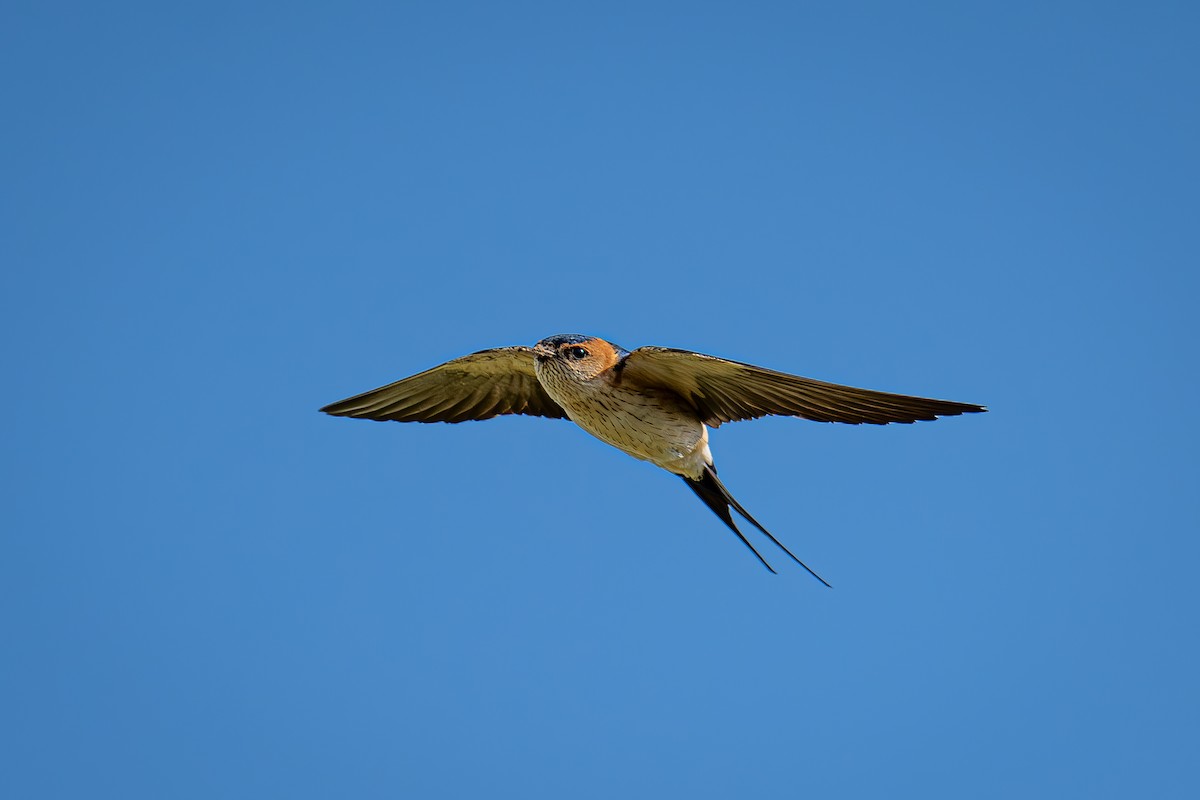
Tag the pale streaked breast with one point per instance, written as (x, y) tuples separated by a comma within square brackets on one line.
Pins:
[(651, 426)]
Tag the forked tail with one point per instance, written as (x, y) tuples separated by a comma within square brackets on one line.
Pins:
[(714, 494)]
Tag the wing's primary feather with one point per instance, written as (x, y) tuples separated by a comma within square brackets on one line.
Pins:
[(728, 391), (479, 386)]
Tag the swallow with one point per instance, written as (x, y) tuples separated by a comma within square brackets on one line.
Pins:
[(654, 403)]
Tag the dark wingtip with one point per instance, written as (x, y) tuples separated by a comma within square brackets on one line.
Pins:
[(953, 409), (971, 408), (349, 407)]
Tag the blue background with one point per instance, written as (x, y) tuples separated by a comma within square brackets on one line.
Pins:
[(218, 217)]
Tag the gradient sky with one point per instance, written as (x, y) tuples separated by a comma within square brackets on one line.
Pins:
[(218, 217)]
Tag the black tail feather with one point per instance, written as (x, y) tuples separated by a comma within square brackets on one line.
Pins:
[(715, 500), (714, 494)]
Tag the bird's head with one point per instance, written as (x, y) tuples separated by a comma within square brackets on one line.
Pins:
[(576, 356)]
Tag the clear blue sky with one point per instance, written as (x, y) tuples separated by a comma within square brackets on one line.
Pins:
[(217, 218)]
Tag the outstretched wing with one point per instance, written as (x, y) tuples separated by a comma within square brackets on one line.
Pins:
[(479, 386), (728, 391)]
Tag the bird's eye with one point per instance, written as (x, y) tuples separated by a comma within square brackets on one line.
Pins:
[(576, 353)]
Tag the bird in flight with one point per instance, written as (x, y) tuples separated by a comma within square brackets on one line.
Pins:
[(655, 403)]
